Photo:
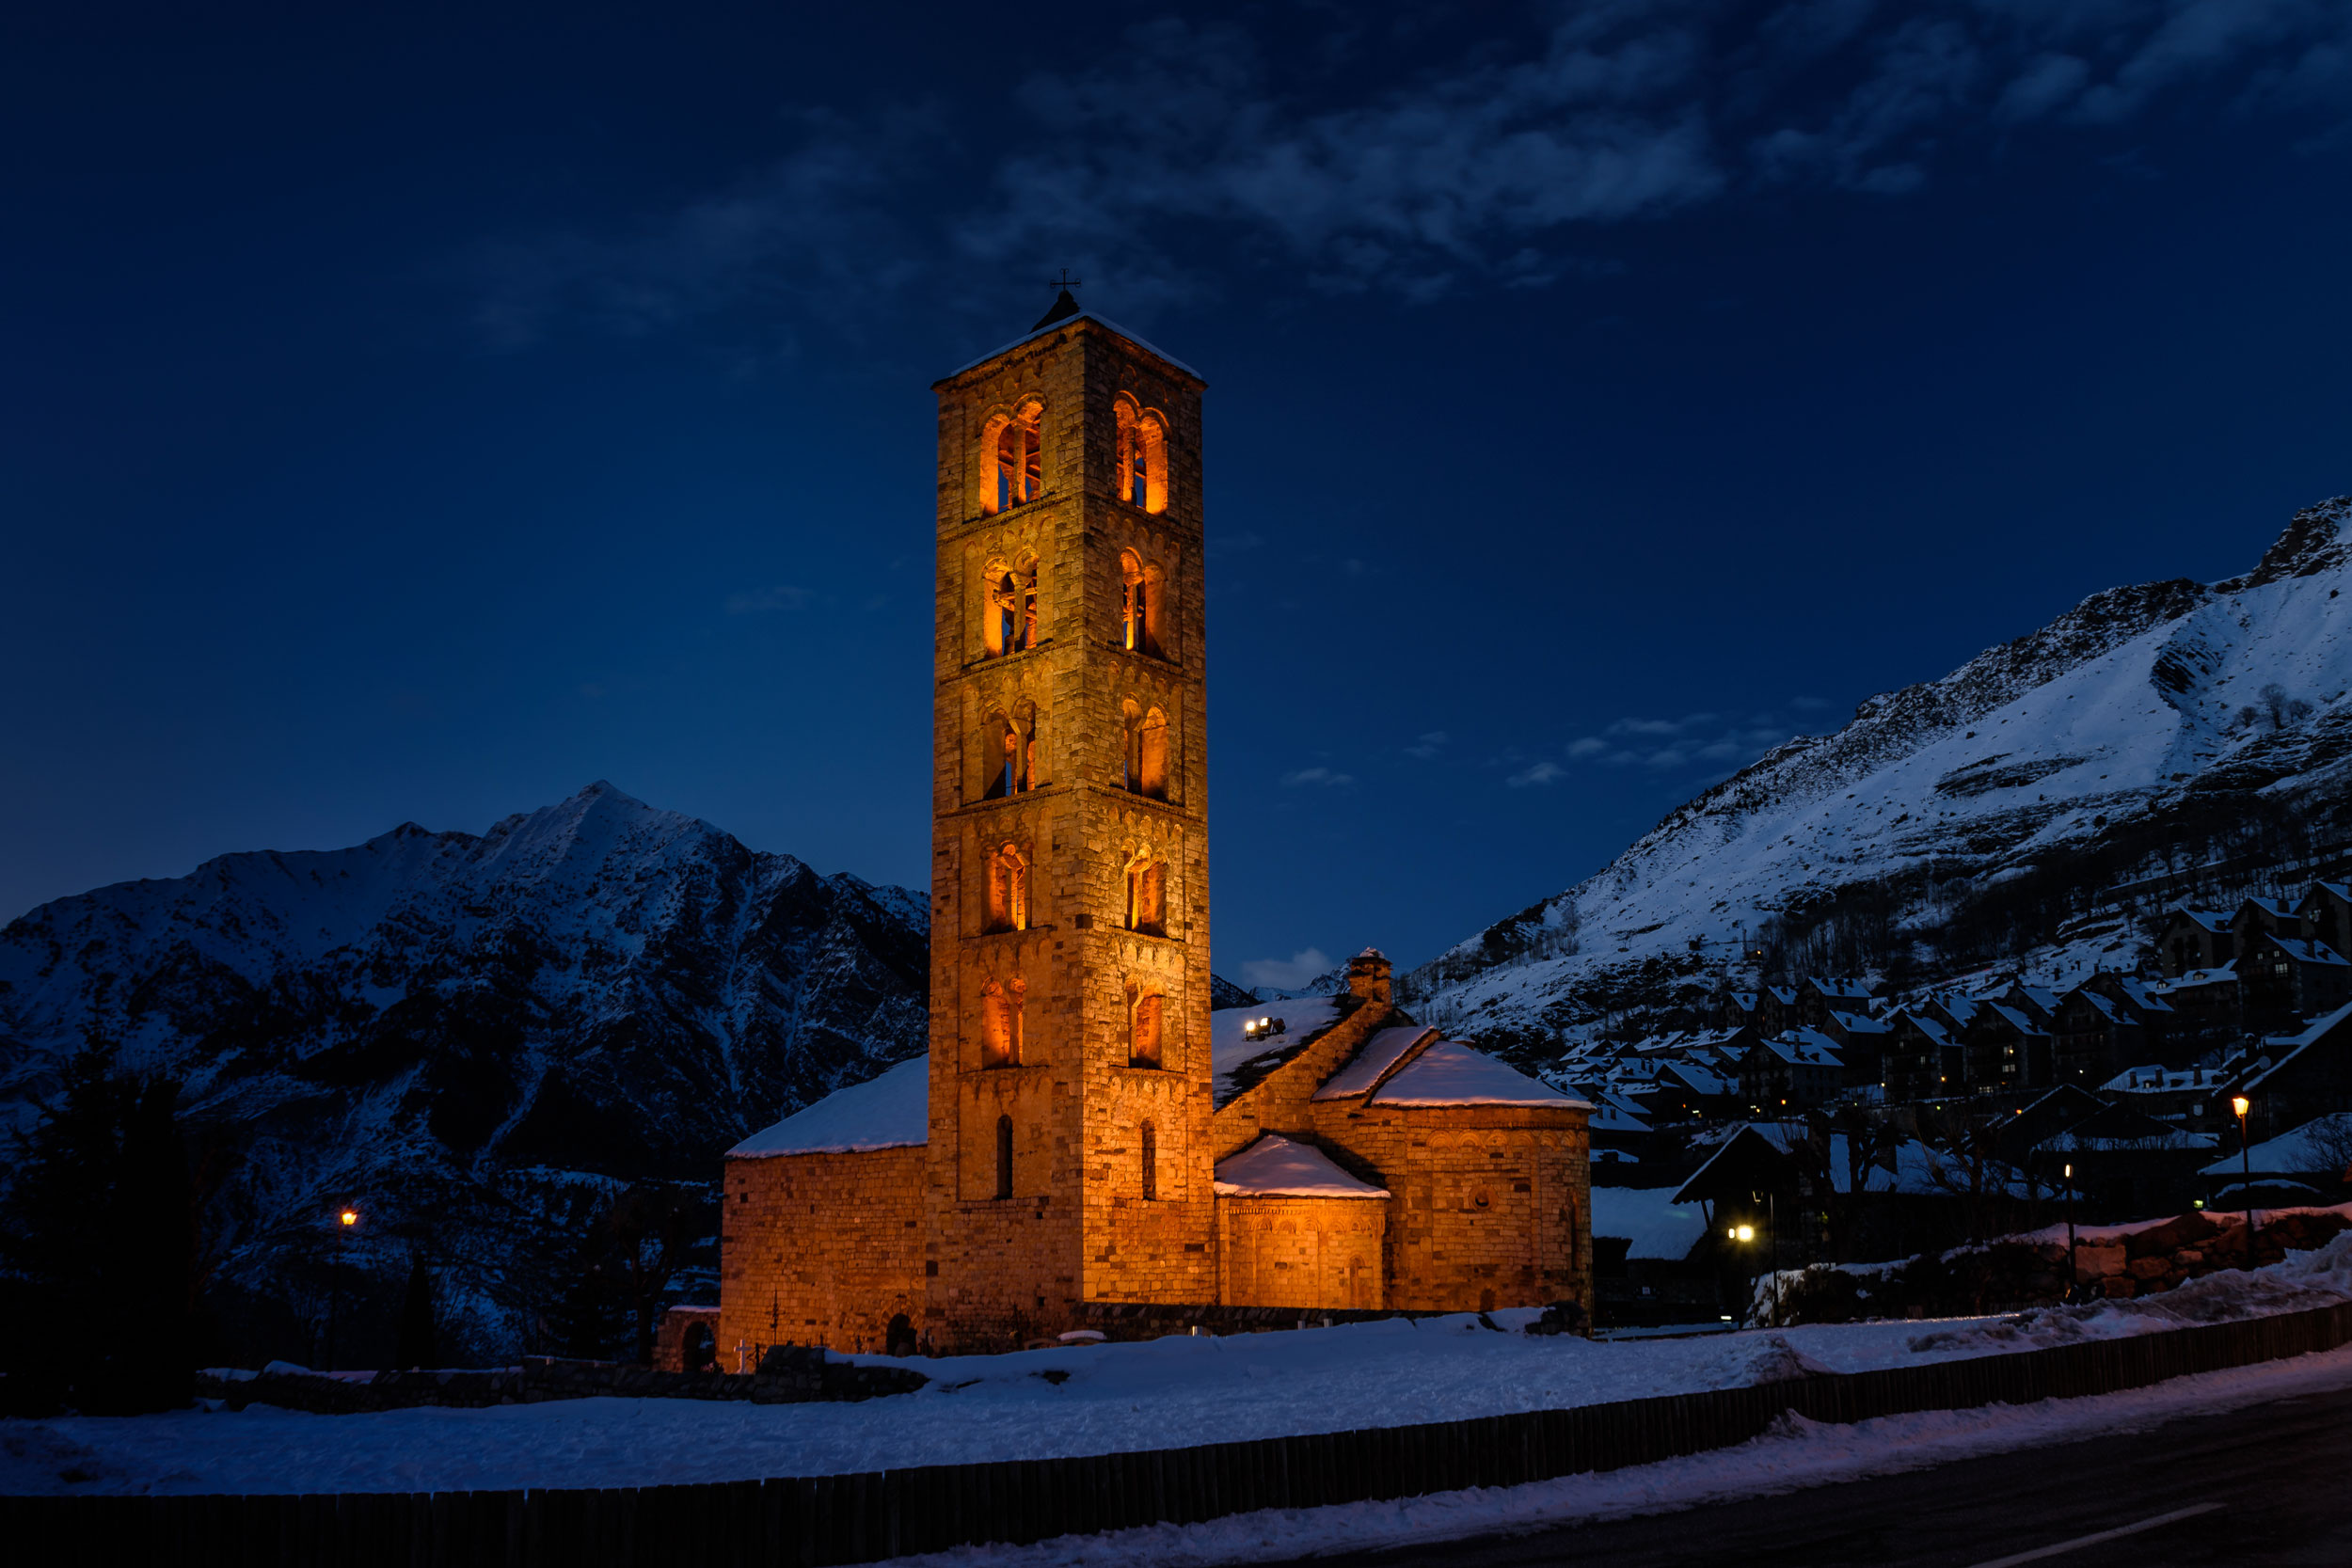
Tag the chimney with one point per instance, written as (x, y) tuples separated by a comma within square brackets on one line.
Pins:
[(1368, 975)]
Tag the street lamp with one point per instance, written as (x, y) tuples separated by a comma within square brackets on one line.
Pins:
[(345, 1222), (2072, 1278), (2245, 1170)]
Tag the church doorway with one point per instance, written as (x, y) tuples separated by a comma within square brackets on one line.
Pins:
[(899, 1339), (700, 1351)]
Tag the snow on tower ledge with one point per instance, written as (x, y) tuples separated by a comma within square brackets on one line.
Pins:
[(889, 1111), (1275, 1166)]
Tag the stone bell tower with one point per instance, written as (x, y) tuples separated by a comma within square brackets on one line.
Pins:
[(1069, 1081)]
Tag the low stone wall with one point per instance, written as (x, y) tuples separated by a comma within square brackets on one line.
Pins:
[(788, 1375), (2010, 1275)]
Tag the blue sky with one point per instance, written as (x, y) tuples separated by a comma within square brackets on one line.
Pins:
[(417, 415)]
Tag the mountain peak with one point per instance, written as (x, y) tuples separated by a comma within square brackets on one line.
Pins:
[(2311, 542)]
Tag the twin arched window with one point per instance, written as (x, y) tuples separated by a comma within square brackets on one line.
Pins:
[(1142, 475), (1001, 1006), (1145, 765), (1142, 604), (1010, 754), (1013, 471), (1147, 896), (1008, 890), (1009, 623)]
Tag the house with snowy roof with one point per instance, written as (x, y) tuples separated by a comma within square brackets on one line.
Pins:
[(1089, 1133), (2306, 1075), (2283, 980), (2326, 914), (1793, 1071), (2193, 939)]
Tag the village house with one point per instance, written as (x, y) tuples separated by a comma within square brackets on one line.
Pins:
[(1085, 1134), (1793, 1071), (2326, 914), (2284, 979), (2194, 939)]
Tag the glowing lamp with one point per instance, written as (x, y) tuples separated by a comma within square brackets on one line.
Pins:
[(1747, 1233), (349, 1216), (2241, 1105)]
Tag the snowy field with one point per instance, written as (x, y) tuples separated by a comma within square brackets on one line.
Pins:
[(1160, 1393)]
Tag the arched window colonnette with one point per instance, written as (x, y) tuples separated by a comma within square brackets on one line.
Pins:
[(1009, 751), (1009, 620), (1012, 457), (1001, 1005), (1009, 888), (1147, 896), (1145, 769), (1004, 1157), (1142, 604), (1146, 1015), (1142, 476), (1150, 1163)]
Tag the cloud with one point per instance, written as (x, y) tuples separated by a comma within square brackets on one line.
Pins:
[(759, 601), (1590, 746), (1316, 776), (1666, 745), (1415, 162), (1428, 745), (1541, 773), (1289, 974)]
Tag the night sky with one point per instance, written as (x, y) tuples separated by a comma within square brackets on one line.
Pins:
[(417, 415)]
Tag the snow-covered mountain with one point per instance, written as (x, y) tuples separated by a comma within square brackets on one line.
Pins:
[(474, 1034), (1984, 818)]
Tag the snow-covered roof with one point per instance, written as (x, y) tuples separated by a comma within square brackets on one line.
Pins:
[(2322, 1144), (2071, 1142), (1229, 1051), (1386, 1048), (2216, 920), (1276, 1167), (1699, 1080), (889, 1111), (1651, 1218), (1451, 1074), (2191, 979), (2291, 1046), (2304, 951), (1859, 1024), (1805, 1048), (2142, 994), (2156, 1076)]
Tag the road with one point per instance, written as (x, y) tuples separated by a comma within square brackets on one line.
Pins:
[(2262, 1487)]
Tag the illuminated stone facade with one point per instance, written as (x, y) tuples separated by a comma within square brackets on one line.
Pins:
[(1069, 1149)]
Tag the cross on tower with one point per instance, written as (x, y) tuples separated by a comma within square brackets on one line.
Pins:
[(1064, 281)]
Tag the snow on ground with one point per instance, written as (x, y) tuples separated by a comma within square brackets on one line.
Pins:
[(1799, 1455)]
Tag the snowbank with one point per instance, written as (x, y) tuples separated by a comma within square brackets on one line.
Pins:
[(1657, 1225)]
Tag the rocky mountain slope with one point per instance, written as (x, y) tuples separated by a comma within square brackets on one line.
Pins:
[(2030, 809), (478, 1037)]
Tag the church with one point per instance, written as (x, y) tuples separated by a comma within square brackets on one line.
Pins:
[(1085, 1134)]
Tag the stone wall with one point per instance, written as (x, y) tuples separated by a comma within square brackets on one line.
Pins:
[(1302, 1252), (668, 1339), (1490, 1205), (823, 1249)]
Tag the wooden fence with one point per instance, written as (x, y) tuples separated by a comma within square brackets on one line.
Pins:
[(814, 1521)]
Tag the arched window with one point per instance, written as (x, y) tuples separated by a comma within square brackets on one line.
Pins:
[(1009, 620), (1150, 1163), (1142, 476), (1000, 1022), (1013, 465), (1004, 1157), (1147, 896), (1143, 1030), (1151, 755), (1142, 604), (1010, 753), (1008, 890)]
